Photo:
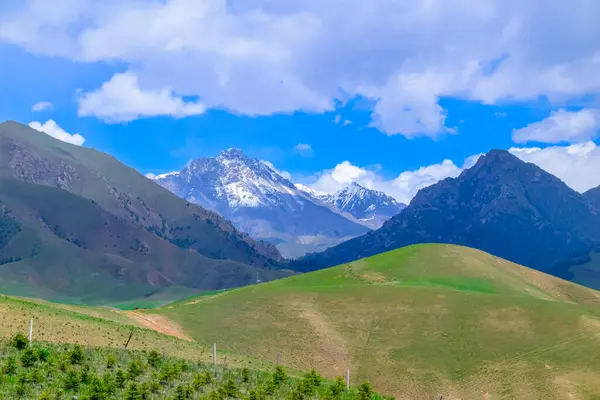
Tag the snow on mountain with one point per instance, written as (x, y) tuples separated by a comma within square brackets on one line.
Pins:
[(311, 192), (261, 202), (370, 206)]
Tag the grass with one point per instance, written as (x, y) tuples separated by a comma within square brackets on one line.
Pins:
[(101, 327), (416, 322), (61, 371)]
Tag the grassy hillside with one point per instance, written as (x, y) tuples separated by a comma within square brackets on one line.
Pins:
[(417, 322), (78, 352), (77, 225)]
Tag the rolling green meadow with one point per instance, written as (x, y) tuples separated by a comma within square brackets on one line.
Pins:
[(416, 322)]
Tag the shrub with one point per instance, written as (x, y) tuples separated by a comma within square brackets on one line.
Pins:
[(133, 392), (108, 382), (85, 374), (154, 358), (36, 377), (183, 392), (71, 381), (214, 395), (111, 361), (229, 390), (154, 386), (76, 355), (19, 341), (336, 389), (134, 370), (46, 395), (22, 386), (96, 390), (245, 375), (120, 378), (313, 378), (10, 367), (268, 387), (365, 392), (43, 354), (255, 395), (279, 376)]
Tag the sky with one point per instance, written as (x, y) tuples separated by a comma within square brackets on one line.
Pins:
[(394, 95)]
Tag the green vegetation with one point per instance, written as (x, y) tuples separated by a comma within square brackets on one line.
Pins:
[(78, 226), (416, 322), (60, 371)]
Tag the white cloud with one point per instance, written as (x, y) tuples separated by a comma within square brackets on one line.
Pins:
[(403, 188), (41, 106), (262, 56), (150, 175), (337, 119), (51, 128), (282, 173), (347, 122), (577, 165), (561, 126), (304, 149), (121, 100)]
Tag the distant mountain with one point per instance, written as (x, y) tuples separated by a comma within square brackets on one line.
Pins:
[(313, 193), (502, 205), (593, 195), (369, 206), (261, 202), (77, 225)]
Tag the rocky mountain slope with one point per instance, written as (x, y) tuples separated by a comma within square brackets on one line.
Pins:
[(502, 205), (77, 223), (261, 202), (593, 195)]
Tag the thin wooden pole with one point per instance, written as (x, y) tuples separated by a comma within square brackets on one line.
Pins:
[(348, 379), (30, 331), (215, 354)]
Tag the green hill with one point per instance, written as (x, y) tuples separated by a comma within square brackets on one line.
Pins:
[(77, 225), (417, 322), (78, 352)]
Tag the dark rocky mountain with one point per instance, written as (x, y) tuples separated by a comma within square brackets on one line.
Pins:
[(593, 195), (371, 207), (502, 205), (261, 202), (78, 225)]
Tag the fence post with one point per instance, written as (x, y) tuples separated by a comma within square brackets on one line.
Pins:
[(348, 379), (30, 331), (215, 354)]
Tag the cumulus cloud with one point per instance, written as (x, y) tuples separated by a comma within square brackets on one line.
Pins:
[(561, 126), (304, 149), (282, 173), (261, 57), (403, 188), (122, 100), (577, 165), (41, 106), (51, 128)]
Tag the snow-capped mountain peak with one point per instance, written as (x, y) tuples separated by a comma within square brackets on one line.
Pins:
[(261, 202), (365, 204), (314, 193)]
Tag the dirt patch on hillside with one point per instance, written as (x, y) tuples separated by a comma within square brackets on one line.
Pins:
[(158, 323), (331, 351), (512, 320)]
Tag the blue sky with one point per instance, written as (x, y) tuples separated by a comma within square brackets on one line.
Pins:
[(327, 95)]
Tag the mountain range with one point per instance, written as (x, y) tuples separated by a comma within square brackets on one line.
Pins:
[(77, 225), (269, 207), (503, 206)]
